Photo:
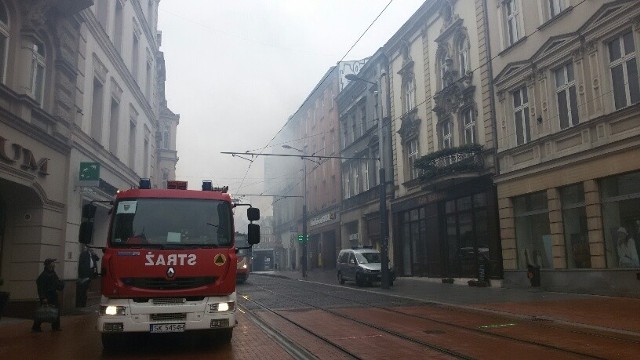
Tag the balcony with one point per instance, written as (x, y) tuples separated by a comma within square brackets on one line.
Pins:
[(448, 166)]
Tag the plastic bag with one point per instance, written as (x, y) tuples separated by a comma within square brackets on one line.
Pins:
[(46, 313)]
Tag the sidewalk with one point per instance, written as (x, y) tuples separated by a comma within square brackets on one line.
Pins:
[(617, 314)]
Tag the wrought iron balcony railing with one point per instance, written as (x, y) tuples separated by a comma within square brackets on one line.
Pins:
[(451, 162)]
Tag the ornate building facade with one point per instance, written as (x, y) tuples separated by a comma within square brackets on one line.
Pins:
[(82, 88), (568, 136)]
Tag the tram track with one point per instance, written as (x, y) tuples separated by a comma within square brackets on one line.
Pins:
[(488, 332)]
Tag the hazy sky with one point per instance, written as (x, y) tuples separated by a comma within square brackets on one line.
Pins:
[(237, 69)]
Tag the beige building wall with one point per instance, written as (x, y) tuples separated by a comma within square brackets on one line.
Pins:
[(596, 138)]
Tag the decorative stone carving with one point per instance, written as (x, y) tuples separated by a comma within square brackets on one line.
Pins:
[(410, 126)]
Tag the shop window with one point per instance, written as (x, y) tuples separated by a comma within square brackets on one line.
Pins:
[(533, 234), (621, 219), (576, 235)]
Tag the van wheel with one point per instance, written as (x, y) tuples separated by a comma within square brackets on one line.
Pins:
[(340, 279), (359, 280)]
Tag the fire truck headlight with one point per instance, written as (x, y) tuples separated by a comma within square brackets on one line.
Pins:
[(113, 310), (220, 307), (244, 266)]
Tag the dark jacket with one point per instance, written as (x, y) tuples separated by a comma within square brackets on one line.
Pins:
[(48, 284), (84, 264)]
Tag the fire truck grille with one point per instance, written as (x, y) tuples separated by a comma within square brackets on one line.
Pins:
[(169, 317), (168, 301), (164, 284)]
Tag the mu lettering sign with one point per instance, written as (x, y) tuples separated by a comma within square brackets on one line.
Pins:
[(17, 154)]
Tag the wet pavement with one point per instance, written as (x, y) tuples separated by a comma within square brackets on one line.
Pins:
[(590, 311)]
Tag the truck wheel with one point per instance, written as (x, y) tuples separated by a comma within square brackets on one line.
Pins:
[(340, 279), (111, 342), (224, 336)]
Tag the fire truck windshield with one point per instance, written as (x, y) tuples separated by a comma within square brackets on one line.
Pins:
[(171, 223)]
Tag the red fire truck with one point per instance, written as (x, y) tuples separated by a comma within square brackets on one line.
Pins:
[(169, 263)]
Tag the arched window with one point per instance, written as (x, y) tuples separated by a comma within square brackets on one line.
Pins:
[(4, 39), (463, 55), (38, 71), (409, 92)]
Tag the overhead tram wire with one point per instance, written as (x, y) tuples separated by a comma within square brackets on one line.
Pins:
[(319, 84)]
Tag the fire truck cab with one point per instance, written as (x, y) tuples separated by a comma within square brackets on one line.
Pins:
[(169, 263)]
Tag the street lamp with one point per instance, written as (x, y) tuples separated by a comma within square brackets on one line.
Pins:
[(384, 254), (304, 213)]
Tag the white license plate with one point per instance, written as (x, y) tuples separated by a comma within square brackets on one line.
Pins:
[(166, 328)]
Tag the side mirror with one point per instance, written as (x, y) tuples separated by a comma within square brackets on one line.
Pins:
[(253, 214), (86, 224), (86, 232), (88, 212), (253, 234)]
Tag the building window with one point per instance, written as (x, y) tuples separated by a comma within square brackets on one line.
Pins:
[(148, 82), (135, 48), (469, 123), (113, 126), (354, 128), (409, 98), (624, 70), (165, 138), (355, 173), (102, 13), (521, 116), (533, 234), (621, 219), (347, 182), (576, 233), (4, 40), (363, 119), (412, 156), (37, 71), (511, 14), (97, 110), (150, 13), (117, 27), (132, 145), (345, 136), (556, 7), (567, 98), (463, 56), (145, 161), (366, 185), (445, 135)]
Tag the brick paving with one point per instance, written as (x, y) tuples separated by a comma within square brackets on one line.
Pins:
[(618, 314)]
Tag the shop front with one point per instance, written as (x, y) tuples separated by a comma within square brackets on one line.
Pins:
[(448, 234), (33, 167), (577, 226), (324, 241)]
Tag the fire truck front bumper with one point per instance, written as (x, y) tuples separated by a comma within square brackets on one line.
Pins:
[(166, 315)]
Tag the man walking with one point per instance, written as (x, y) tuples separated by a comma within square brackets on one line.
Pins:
[(87, 269), (48, 286)]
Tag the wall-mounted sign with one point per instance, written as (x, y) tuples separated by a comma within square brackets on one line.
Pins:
[(17, 154), (322, 219), (89, 174)]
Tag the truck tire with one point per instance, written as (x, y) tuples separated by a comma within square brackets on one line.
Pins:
[(112, 342), (224, 336)]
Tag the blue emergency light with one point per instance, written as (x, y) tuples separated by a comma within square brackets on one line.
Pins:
[(145, 183)]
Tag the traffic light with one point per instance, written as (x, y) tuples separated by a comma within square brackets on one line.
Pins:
[(301, 237)]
